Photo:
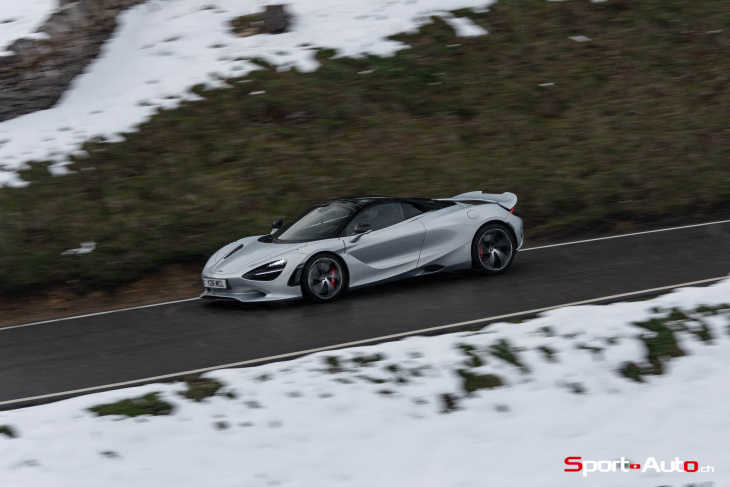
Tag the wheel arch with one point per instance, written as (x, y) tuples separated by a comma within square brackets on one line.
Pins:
[(502, 224)]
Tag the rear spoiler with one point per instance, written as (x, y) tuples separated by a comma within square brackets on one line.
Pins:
[(506, 200)]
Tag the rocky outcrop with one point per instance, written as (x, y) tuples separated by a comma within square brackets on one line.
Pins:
[(276, 19), (36, 70)]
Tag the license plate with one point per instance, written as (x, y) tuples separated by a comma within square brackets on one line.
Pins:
[(215, 283)]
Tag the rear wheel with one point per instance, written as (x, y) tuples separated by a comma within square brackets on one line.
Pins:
[(324, 278), (493, 249)]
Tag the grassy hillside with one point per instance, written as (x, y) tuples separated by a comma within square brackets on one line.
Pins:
[(626, 129)]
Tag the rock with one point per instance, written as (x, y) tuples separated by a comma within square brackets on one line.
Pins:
[(276, 20), (35, 72), (73, 15)]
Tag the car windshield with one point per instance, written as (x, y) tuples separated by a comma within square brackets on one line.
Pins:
[(322, 221)]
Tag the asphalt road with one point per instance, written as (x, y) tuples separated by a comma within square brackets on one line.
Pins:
[(131, 345)]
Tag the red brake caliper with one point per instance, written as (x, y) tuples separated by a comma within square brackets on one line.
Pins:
[(481, 250), (332, 277)]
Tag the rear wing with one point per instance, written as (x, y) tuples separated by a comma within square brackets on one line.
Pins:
[(506, 200)]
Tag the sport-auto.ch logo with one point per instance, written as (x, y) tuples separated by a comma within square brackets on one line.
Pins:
[(577, 464)]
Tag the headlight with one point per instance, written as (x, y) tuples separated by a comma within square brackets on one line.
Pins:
[(266, 272)]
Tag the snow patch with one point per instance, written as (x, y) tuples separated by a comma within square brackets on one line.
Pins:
[(86, 248), (37, 36), (464, 26)]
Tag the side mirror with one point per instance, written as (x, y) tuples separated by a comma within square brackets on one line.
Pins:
[(362, 228), (277, 225)]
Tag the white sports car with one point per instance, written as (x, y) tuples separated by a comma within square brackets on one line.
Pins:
[(353, 242)]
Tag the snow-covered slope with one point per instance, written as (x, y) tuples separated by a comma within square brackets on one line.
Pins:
[(164, 47), (19, 18), (329, 420)]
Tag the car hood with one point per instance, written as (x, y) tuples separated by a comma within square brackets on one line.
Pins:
[(252, 254)]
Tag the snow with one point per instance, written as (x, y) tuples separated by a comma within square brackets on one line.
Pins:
[(580, 38), (20, 18), (86, 248), (162, 48), (463, 26), (314, 421), (38, 36)]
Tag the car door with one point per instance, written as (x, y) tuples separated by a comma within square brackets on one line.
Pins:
[(390, 249)]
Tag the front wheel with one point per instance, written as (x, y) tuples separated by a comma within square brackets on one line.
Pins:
[(493, 249), (324, 278)]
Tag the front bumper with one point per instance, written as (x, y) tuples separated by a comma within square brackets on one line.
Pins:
[(250, 291), (251, 295)]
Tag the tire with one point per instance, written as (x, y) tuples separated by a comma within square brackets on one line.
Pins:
[(493, 249), (324, 278)]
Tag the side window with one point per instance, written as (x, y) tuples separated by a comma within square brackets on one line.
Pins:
[(379, 217), (409, 211)]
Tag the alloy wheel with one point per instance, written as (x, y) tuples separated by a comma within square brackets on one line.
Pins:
[(495, 249), (324, 278)]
